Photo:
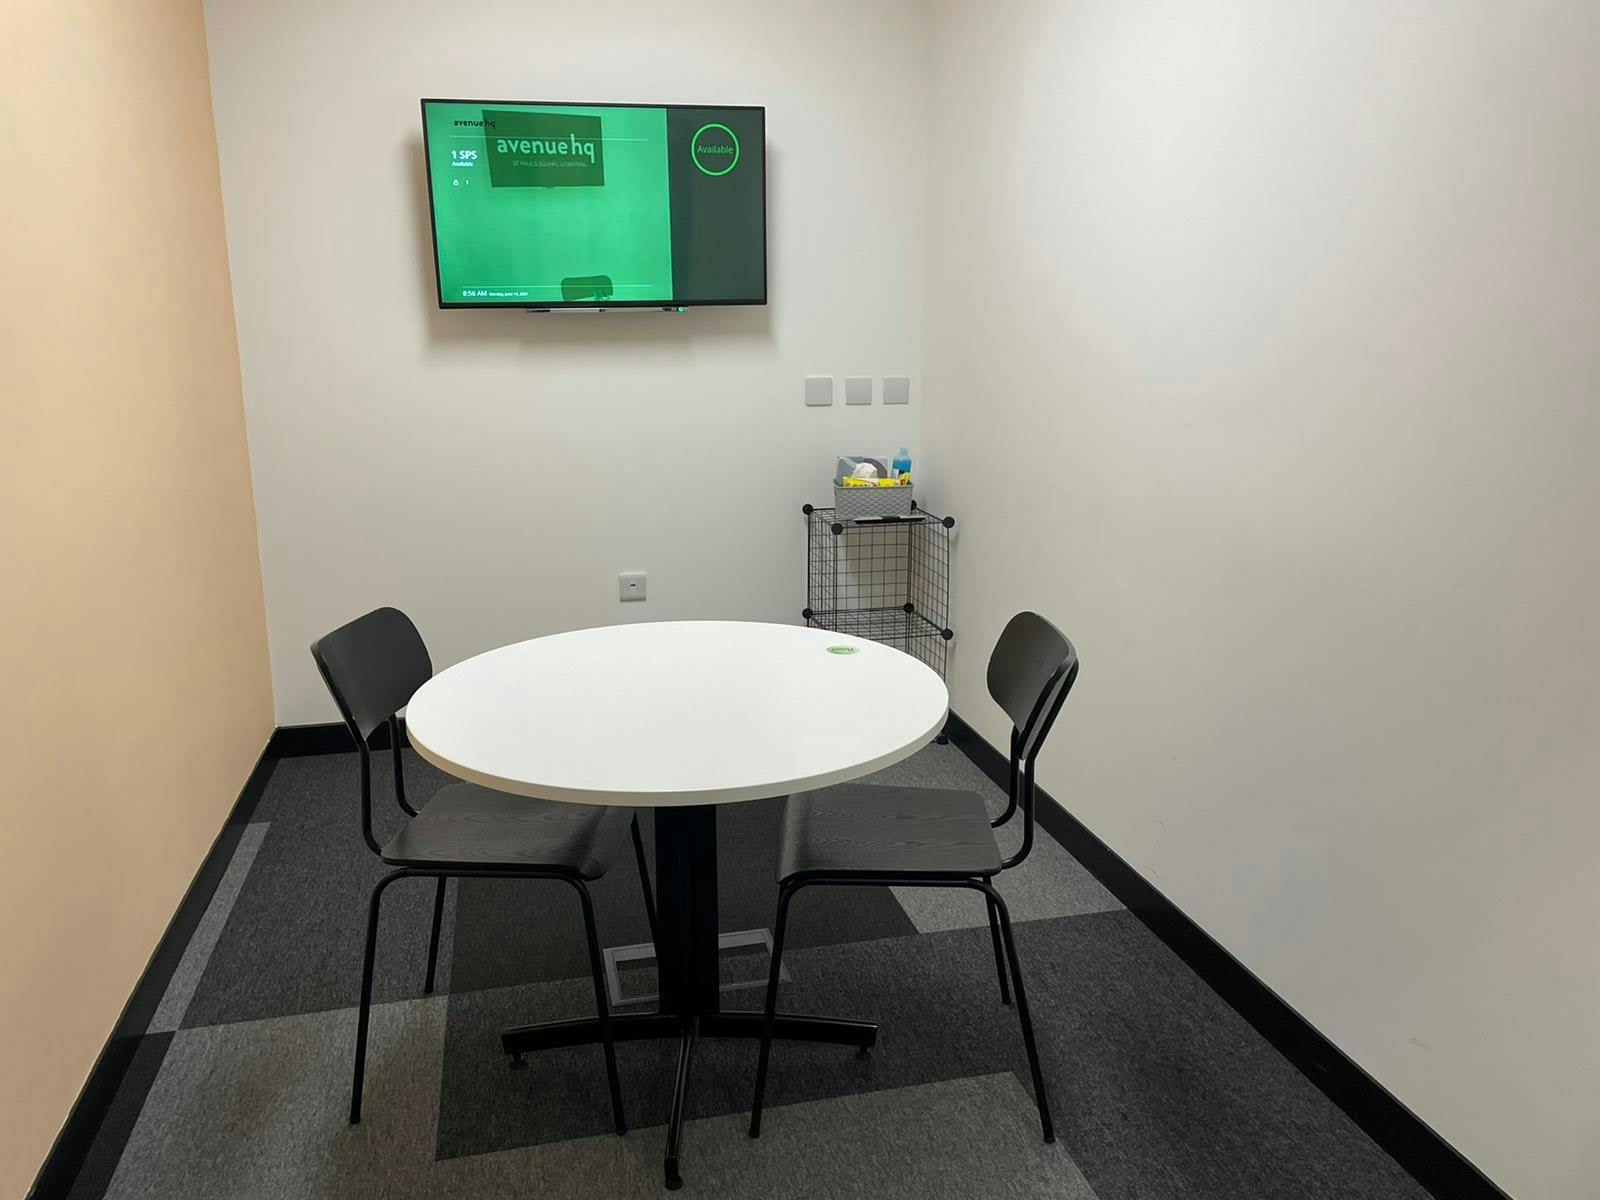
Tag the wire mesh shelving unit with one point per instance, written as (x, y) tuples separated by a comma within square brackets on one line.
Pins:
[(884, 578)]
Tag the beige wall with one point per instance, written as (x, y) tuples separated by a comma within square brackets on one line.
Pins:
[(134, 695), (1288, 316)]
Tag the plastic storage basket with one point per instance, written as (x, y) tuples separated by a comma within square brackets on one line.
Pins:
[(868, 503)]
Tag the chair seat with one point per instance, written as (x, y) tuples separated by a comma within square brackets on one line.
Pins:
[(869, 830), (465, 825)]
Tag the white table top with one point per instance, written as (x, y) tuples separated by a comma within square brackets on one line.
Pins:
[(679, 712)]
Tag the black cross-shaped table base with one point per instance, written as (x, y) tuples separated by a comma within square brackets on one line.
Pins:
[(687, 959)]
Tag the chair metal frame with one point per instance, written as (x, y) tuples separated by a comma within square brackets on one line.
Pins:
[(1026, 741)]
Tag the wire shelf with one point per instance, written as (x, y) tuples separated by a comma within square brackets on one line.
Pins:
[(886, 579)]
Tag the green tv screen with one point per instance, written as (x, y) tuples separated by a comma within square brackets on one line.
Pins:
[(596, 205)]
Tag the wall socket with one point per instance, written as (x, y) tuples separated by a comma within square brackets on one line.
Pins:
[(630, 585)]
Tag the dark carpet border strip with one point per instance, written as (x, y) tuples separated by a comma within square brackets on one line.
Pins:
[(1433, 1162), (77, 1136), (105, 1152)]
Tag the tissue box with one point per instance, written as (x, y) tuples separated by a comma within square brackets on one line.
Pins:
[(849, 462)]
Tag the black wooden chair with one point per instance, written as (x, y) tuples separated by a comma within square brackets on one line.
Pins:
[(372, 666), (922, 837)]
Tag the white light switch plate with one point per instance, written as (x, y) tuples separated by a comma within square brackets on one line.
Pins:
[(896, 389), (858, 389), (630, 585), (819, 390)]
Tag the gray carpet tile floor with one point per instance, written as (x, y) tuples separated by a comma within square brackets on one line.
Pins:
[(292, 942), (240, 1090), (197, 955), (256, 1110)]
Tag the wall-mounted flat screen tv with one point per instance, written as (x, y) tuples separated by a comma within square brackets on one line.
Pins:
[(549, 206)]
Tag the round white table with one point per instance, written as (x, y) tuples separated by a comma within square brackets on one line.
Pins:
[(680, 717)]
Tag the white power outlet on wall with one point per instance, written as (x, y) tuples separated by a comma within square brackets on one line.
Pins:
[(630, 585)]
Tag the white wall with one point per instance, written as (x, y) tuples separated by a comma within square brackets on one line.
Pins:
[(408, 456), (1289, 317)]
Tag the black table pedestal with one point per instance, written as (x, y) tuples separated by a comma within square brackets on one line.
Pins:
[(690, 983)]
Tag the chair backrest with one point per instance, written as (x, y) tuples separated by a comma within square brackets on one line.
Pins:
[(1031, 670), (373, 666), (1030, 673)]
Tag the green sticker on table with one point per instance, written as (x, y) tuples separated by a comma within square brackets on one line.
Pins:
[(841, 649)]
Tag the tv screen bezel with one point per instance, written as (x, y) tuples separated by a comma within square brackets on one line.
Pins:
[(660, 305)]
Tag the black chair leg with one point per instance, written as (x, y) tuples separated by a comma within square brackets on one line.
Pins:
[(999, 952), (1022, 1013), (644, 878), (785, 894), (433, 940), (602, 1007), (672, 1177), (365, 1010)]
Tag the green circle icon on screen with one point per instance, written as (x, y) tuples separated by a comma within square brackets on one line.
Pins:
[(841, 649), (715, 149)]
